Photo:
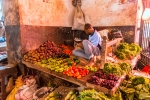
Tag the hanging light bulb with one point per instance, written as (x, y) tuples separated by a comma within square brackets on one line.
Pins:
[(146, 14)]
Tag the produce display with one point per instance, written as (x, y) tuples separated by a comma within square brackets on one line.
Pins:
[(58, 58), (135, 88), (54, 96), (72, 95), (118, 69), (58, 64), (91, 68), (109, 76), (127, 51), (67, 49), (94, 80), (102, 75), (109, 84), (47, 50), (104, 80), (132, 88), (76, 72), (92, 95)]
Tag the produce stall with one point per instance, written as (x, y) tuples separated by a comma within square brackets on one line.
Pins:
[(56, 60)]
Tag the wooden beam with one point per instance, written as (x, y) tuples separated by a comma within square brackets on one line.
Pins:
[(80, 82)]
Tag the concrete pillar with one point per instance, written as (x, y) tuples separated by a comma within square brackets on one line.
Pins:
[(12, 28)]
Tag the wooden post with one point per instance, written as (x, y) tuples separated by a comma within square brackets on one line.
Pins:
[(103, 52)]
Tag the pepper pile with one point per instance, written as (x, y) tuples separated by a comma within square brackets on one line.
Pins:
[(76, 72)]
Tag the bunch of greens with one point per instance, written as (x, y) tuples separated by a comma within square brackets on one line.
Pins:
[(117, 69), (135, 88), (127, 51), (92, 95), (116, 96), (126, 67)]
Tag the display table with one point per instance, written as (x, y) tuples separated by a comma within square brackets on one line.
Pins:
[(80, 82)]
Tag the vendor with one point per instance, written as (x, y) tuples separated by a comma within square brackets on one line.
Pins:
[(90, 48)]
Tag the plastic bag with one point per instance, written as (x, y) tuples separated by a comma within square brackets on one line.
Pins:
[(18, 83), (26, 91), (79, 20)]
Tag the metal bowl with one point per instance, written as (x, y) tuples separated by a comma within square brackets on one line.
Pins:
[(69, 42)]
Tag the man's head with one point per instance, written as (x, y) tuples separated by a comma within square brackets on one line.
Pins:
[(88, 28)]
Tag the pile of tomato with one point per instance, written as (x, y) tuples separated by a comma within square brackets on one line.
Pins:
[(76, 72), (67, 49)]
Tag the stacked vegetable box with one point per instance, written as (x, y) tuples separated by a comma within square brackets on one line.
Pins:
[(108, 79)]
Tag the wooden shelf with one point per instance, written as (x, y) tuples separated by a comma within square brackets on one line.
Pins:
[(80, 82)]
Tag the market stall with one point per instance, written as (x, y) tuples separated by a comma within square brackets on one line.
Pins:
[(58, 61), (35, 42)]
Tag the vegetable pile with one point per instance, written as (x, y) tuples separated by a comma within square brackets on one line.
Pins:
[(47, 50), (135, 88), (127, 51), (92, 95), (118, 69), (104, 80), (76, 72), (58, 64), (91, 68)]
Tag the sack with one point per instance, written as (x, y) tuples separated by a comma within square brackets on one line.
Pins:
[(31, 75), (26, 91), (79, 21), (114, 34), (18, 83)]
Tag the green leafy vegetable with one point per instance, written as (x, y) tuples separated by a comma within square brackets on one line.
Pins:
[(127, 51), (138, 80)]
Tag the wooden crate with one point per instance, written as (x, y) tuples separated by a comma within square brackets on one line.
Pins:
[(105, 90)]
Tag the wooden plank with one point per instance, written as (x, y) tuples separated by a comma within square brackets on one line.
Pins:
[(80, 82), (115, 41)]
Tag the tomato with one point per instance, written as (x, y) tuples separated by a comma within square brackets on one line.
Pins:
[(70, 68), (75, 70), (79, 76), (83, 74), (72, 72), (64, 72), (73, 67), (76, 74)]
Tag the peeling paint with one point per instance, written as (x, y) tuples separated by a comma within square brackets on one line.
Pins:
[(60, 12), (11, 12)]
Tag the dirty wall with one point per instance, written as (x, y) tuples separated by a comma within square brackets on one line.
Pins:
[(52, 20), (60, 12)]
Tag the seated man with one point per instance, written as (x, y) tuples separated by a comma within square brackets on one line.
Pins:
[(91, 47)]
